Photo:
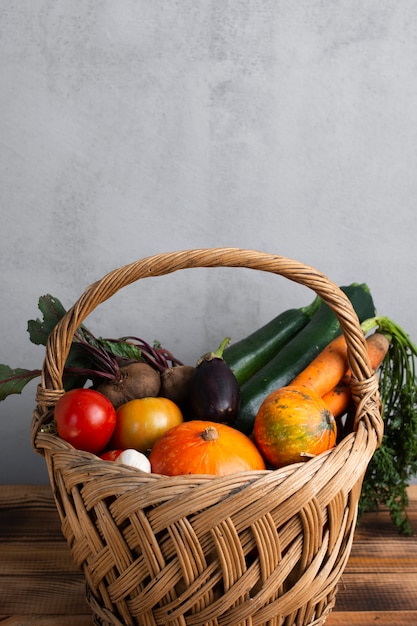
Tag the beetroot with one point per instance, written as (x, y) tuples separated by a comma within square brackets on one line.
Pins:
[(135, 380)]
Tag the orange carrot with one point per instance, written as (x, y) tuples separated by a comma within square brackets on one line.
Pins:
[(326, 369), (338, 399)]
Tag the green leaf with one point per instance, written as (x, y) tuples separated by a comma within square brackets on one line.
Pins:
[(52, 311), (14, 380), (77, 359), (121, 349)]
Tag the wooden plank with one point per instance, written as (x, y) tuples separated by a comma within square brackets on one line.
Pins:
[(43, 595), (28, 513), (381, 574), (25, 526), (46, 620), (395, 556), (377, 592), (33, 497), (37, 573), (377, 618), (17, 559)]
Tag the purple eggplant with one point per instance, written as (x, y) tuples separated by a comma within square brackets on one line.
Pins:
[(214, 392)]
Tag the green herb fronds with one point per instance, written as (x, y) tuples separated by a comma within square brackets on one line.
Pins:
[(394, 464)]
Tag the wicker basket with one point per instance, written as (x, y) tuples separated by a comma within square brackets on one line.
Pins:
[(251, 549)]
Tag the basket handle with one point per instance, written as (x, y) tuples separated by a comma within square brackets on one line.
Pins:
[(364, 381)]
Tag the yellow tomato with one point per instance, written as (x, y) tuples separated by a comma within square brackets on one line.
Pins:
[(140, 422)]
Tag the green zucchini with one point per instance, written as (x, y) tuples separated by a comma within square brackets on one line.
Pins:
[(247, 356), (297, 353)]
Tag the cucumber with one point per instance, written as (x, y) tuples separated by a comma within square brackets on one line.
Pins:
[(247, 356), (297, 353)]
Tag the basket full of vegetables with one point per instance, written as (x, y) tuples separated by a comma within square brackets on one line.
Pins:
[(240, 507)]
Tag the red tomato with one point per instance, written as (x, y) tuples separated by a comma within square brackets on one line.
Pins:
[(85, 418), (140, 422), (111, 455)]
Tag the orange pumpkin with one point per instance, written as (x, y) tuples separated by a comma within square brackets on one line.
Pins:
[(204, 447), (293, 424)]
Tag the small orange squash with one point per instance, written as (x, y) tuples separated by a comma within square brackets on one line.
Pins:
[(204, 447), (292, 425)]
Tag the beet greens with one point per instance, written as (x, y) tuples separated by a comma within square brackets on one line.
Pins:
[(90, 358)]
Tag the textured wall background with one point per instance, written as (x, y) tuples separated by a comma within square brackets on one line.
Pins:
[(136, 127)]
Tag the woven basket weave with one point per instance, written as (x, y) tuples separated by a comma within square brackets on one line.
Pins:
[(262, 548)]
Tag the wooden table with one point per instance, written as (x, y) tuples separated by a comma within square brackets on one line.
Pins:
[(40, 586)]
